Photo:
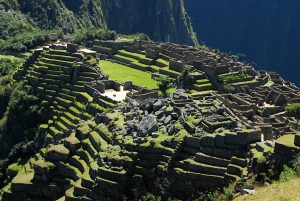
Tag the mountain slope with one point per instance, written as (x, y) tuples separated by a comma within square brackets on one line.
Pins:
[(162, 20), (267, 32)]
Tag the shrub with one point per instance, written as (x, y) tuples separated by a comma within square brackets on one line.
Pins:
[(83, 35), (293, 110), (18, 34), (187, 80), (229, 88), (231, 77), (287, 174), (296, 165), (142, 36), (164, 83)]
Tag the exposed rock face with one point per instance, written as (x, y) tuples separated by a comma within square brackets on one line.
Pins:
[(162, 20)]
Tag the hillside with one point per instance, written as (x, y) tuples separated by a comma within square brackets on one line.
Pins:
[(266, 32), (166, 20)]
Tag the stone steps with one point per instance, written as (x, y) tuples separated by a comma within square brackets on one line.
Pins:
[(112, 175), (77, 162), (64, 53), (71, 117), (193, 166), (84, 155), (211, 160), (64, 102), (57, 62), (87, 145), (60, 57), (66, 96), (66, 170), (235, 170), (67, 123), (204, 180), (89, 74), (109, 188), (239, 161), (80, 191), (96, 140)]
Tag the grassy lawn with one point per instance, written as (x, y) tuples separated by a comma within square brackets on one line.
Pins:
[(122, 73), (278, 191)]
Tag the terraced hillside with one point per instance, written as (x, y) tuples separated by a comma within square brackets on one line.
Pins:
[(101, 145)]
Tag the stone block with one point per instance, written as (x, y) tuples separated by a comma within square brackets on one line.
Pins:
[(153, 54), (72, 47), (208, 141), (127, 85), (267, 131), (57, 153), (297, 140)]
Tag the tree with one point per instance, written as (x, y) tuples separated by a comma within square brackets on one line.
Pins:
[(293, 110), (187, 80), (229, 88), (164, 83)]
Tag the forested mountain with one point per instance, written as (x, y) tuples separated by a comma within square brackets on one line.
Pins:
[(166, 20)]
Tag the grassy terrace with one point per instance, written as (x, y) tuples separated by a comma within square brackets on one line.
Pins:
[(132, 57), (123, 73), (287, 140), (135, 54)]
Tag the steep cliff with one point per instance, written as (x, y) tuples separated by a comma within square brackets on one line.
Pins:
[(162, 20), (267, 32)]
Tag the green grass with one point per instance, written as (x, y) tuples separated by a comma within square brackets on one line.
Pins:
[(122, 73), (277, 191), (269, 83), (135, 54), (244, 83), (287, 140), (163, 61)]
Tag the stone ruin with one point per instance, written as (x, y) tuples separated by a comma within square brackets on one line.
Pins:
[(95, 147)]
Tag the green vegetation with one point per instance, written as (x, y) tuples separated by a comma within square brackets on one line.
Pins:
[(84, 35), (136, 36), (229, 88), (269, 83), (20, 115), (231, 77), (187, 80), (164, 83), (17, 33), (123, 73), (293, 110), (65, 15), (277, 191)]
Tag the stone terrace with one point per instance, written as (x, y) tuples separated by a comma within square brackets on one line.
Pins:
[(95, 148)]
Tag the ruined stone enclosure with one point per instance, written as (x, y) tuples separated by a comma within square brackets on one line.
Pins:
[(107, 139)]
